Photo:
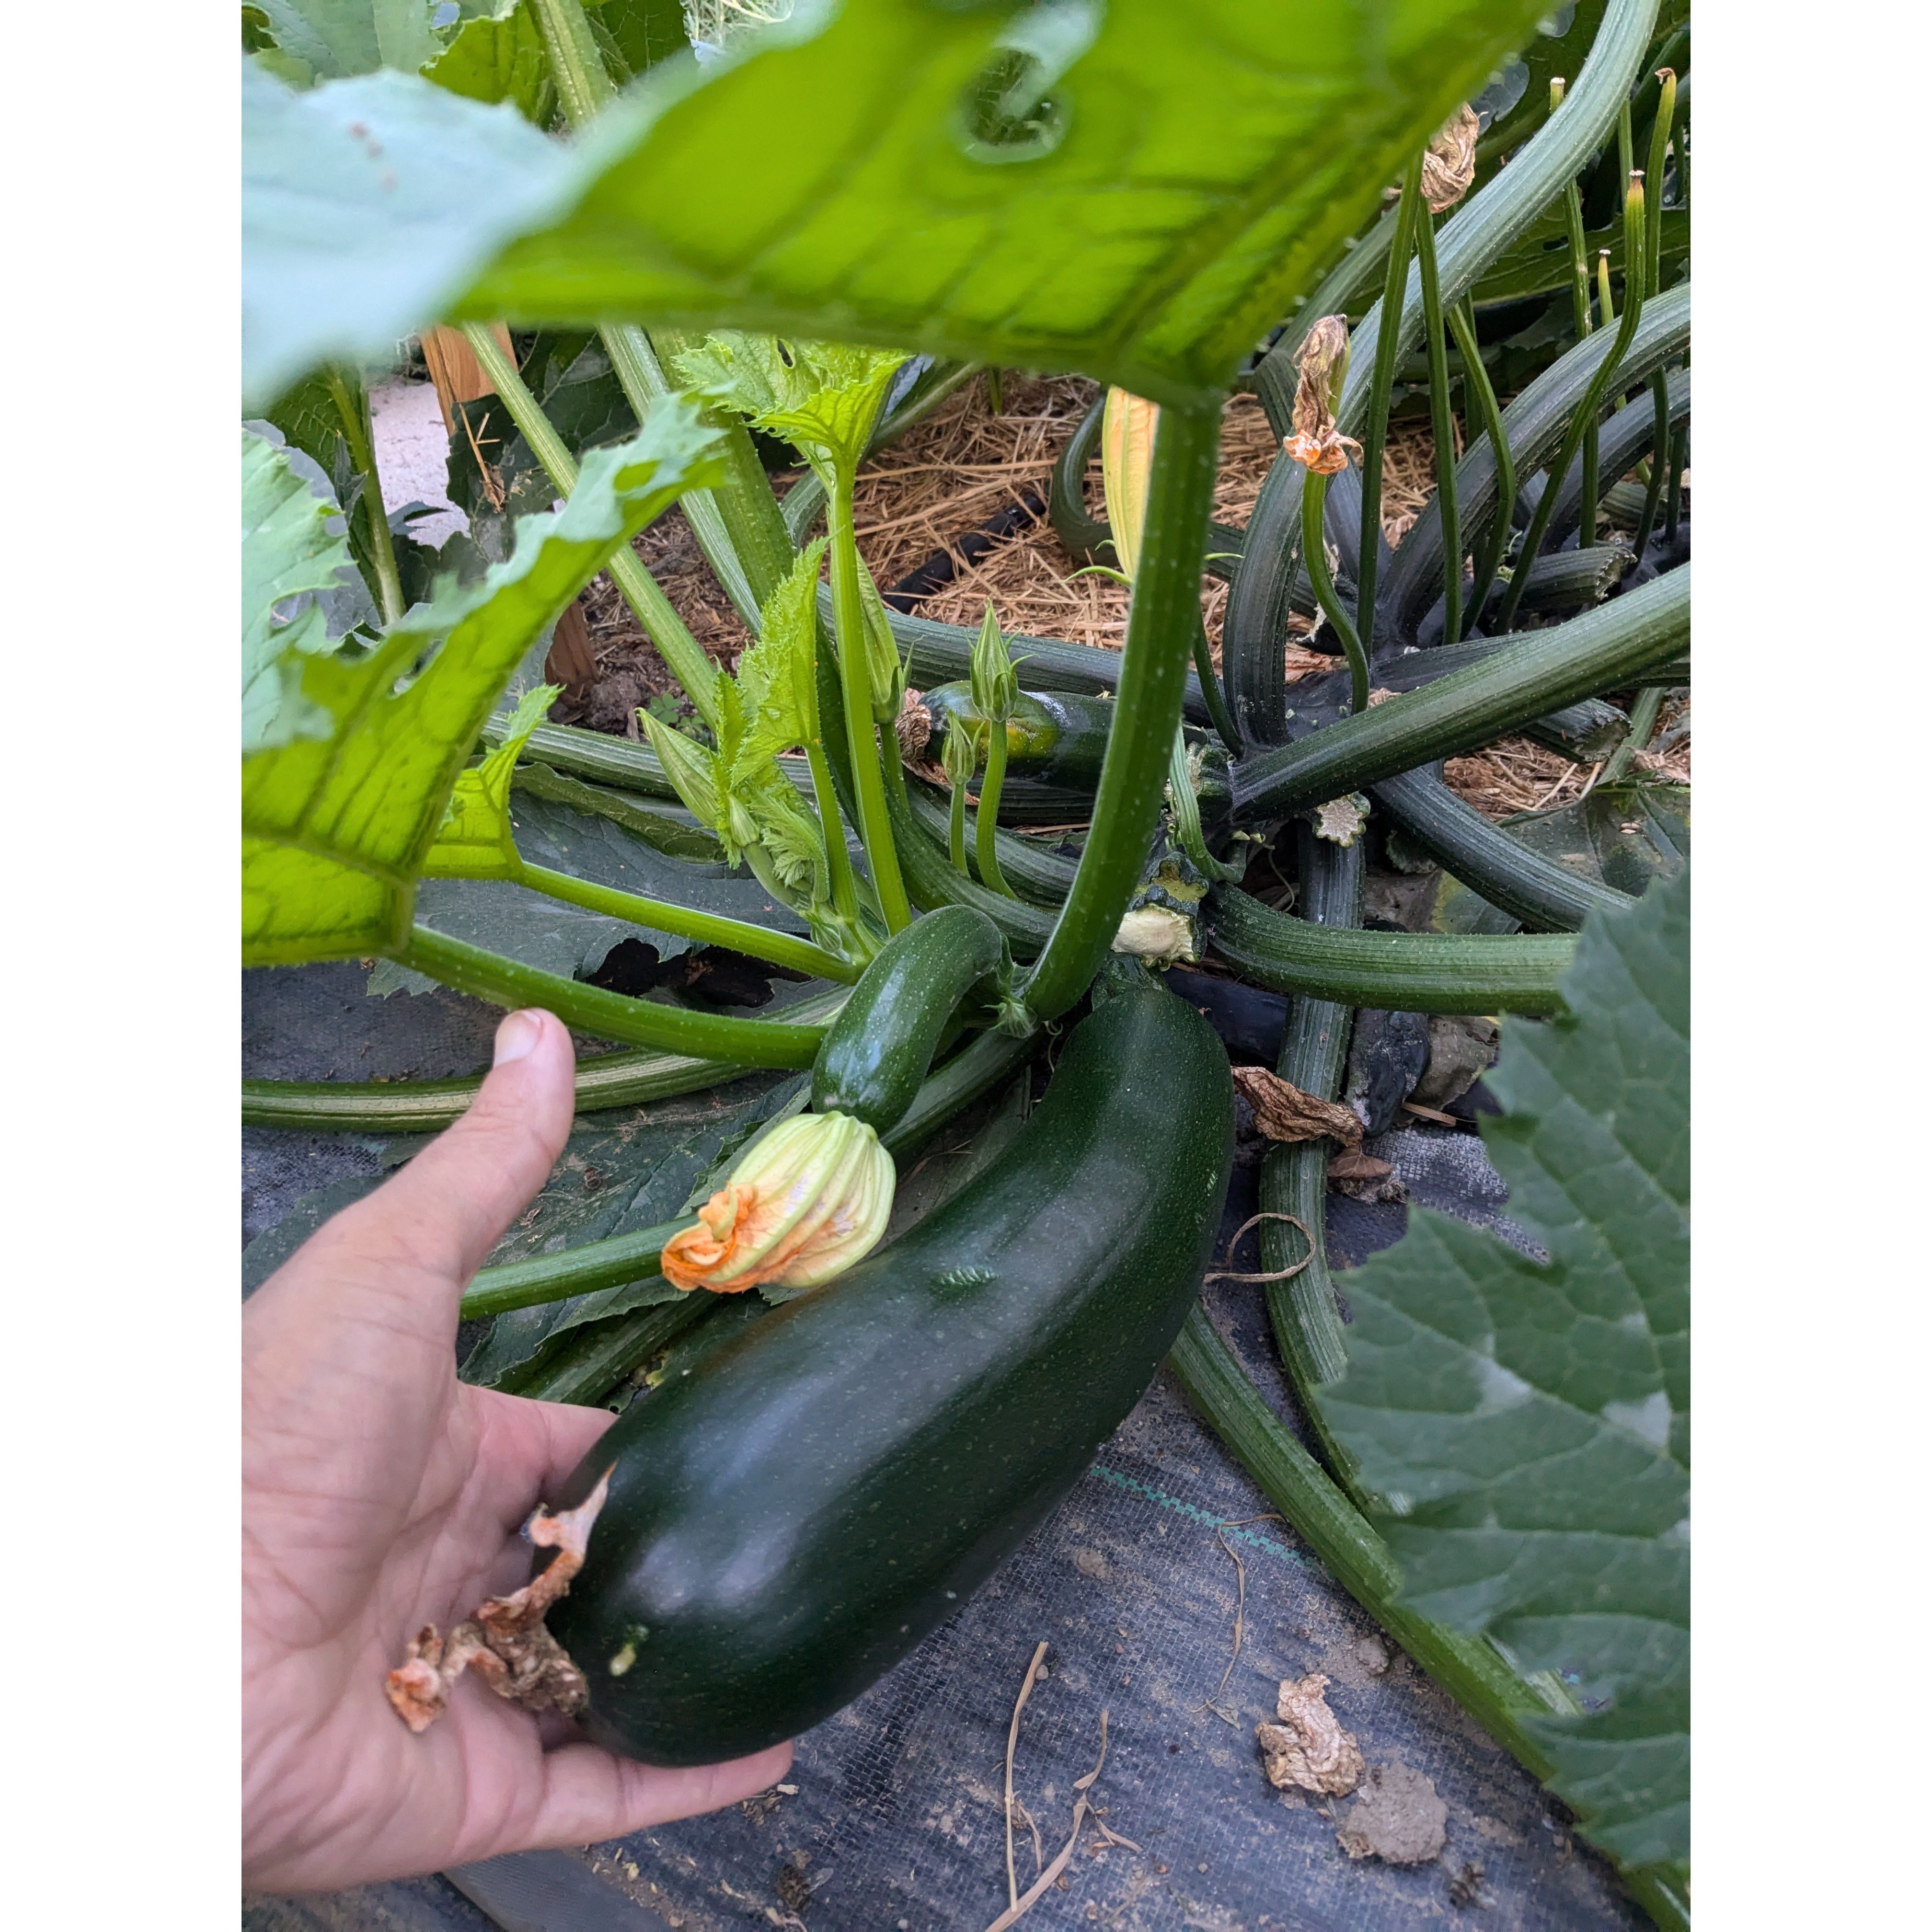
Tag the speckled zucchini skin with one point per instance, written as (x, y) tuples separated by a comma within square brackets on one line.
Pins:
[(878, 1049), (786, 1524)]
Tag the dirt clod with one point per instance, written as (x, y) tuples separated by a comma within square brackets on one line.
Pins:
[(1309, 1749), (1396, 1817)]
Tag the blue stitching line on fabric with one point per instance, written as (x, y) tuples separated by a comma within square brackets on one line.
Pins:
[(1134, 1486)]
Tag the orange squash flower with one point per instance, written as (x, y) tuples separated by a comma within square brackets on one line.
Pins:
[(807, 1200)]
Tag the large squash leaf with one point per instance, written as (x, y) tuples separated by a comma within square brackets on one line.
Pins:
[(337, 826), (1530, 1421), (1137, 191)]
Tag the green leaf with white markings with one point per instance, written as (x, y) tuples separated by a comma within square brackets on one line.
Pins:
[(336, 827), (334, 38), (295, 549), (1137, 191), (1529, 1421)]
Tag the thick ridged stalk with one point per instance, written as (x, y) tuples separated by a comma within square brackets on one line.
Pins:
[(1490, 221), (1302, 1309), (1462, 326), (1406, 972), (1441, 423), (736, 521), (1660, 401), (428, 1106), (665, 628), (509, 982), (1161, 626), (1469, 1668), (579, 1270), (1536, 672), (932, 882), (1533, 427), (1545, 896), (1587, 410)]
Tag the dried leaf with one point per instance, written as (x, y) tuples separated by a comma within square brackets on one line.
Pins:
[(1283, 1112), (1309, 1749)]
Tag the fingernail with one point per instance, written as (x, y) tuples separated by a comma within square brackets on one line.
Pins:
[(518, 1036)]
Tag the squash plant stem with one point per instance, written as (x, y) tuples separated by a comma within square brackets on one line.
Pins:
[(1315, 555), (1653, 267), (848, 618), (351, 405), (1469, 1667), (665, 628), (1161, 622), (706, 929), (986, 818), (509, 982), (1375, 434), (1462, 326), (1441, 423), (1584, 417), (737, 522)]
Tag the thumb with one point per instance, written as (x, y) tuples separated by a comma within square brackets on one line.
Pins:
[(451, 1204)]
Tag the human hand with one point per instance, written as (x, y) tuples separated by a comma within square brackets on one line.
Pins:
[(380, 1494)]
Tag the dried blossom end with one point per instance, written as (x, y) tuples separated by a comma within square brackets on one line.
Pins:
[(1449, 162), (506, 1641)]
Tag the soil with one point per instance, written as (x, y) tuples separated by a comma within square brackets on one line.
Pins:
[(1397, 1818)]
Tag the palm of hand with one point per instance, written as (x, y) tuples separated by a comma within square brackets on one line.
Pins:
[(380, 1493)]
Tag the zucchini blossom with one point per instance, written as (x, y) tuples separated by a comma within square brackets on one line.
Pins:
[(805, 1202)]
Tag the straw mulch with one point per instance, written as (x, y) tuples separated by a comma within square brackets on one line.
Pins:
[(962, 466), (1514, 774)]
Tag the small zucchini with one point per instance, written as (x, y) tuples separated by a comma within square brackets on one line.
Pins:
[(787, 1522), (1057, 736), (876, 1053)]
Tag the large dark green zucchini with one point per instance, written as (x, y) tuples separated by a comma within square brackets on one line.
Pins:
[(874, 1056), (786, 1524)]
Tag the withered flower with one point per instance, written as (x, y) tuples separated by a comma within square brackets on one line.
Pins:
[(1449, 162), (1316, 442), (804, 1204)]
